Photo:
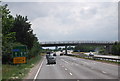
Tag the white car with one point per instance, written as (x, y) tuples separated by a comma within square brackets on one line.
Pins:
[(91, 54)]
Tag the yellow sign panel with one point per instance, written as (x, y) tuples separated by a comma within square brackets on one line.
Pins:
[(17, 60)]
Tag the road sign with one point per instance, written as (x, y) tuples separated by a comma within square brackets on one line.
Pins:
[(17, 60)]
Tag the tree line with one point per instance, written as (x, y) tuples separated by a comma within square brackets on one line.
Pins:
[(17, 31), (116, 48), (87, 48)]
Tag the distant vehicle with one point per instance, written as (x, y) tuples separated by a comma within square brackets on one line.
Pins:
[(54, 54), (51, 60), (61, 53), (91, 54)]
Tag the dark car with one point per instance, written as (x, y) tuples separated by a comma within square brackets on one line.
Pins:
[(54, 54), (51, 60), (61, 54)]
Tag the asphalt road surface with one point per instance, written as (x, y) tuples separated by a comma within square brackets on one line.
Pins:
[(76, 68)]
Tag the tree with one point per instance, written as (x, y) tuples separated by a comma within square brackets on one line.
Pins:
[(116, 48), (24, 33), (7, 37), (84, 48), (16, 31), (7, 24)]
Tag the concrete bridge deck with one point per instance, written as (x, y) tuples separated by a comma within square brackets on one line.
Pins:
[(73, 43)]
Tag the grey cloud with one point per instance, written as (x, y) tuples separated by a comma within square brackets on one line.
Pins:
[(70, 21), (31, 9), (88, 14)]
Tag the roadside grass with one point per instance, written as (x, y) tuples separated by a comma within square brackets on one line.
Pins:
[(0, 72), (105, 61), (0, 67), (19, 71)]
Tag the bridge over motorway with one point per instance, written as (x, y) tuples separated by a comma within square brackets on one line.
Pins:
[(108, 44)]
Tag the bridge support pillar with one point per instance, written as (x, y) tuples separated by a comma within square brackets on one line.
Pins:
[(56, 48), (65, 49), (108, 49)]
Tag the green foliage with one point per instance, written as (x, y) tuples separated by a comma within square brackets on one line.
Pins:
[(7, 37), (35, 50), (86, 48), (12, 72), (24, 33), (7, 20), (102, 51), (17, 31), (116, 48)]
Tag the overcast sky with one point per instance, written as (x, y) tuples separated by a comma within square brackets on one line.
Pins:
[(61, 21)]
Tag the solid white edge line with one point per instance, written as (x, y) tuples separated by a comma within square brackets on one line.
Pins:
[(38, 71)]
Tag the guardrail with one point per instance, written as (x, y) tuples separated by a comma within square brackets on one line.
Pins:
[(104, 58), (97, 57)]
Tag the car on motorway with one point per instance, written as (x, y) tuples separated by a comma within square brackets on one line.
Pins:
[(51, 60), (91, 54), (61, 54), (54, 54)]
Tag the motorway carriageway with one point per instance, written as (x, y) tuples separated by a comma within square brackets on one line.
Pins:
[(76, 68)]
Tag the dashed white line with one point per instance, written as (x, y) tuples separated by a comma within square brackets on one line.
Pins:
[(64, 61), (65, 68), (103, 72), (70, 73)]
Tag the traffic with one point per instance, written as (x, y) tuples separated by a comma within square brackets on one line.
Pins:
[(67, 67)]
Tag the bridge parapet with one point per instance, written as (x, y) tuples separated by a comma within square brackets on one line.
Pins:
[(77, 42)]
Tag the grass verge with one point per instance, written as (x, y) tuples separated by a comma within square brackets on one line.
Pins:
[(0, 71), (15, 72)]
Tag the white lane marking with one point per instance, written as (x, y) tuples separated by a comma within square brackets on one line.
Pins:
[(65, 68), (38, 71), (103, 72), (70, 73), (64, 60)]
